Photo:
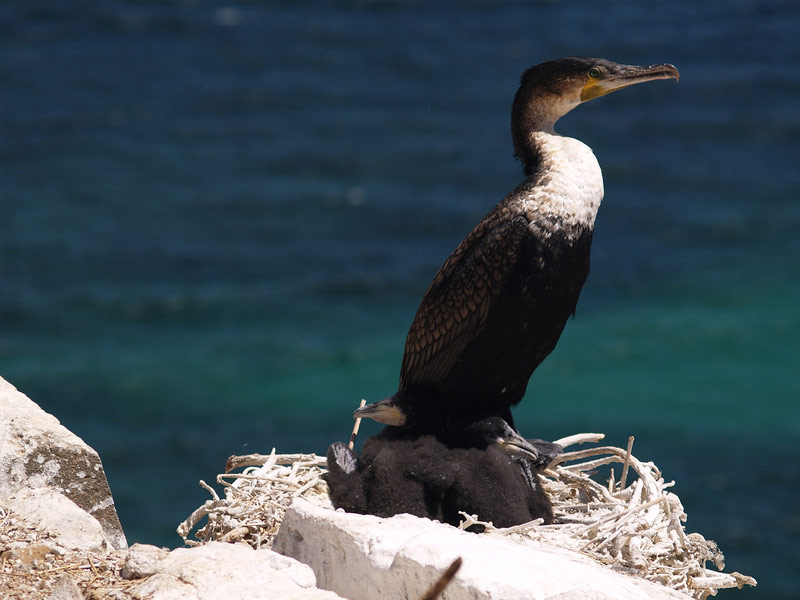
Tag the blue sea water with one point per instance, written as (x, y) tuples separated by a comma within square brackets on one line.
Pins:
[(217, 221)]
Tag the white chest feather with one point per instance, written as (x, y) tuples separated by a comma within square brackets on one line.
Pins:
[(568, 185)]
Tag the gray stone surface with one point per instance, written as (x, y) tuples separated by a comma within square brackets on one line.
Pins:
[(66, 589), (220, 570), (49, 511), (362, 557), (142, 561), (49, 476)]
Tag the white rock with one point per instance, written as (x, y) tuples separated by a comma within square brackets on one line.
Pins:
[(142, 560), (42, 461), (219, 570), (365, 557), (66, 589), (49, 511)]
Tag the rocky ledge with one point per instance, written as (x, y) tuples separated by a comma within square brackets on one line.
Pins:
[(407, 554)]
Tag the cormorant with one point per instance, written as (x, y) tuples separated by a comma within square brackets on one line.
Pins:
[(498, 305), (420, 475), (474, 433)]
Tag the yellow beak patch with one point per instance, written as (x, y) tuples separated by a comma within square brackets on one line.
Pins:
[(592, 89)]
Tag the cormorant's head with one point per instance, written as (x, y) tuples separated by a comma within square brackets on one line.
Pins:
[(492, 431), (551, 89), (412, 408), (388, 411)]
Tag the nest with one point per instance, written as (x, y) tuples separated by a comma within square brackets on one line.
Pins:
[(255, 499), (635, 528)]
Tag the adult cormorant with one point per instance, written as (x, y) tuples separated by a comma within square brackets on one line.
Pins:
[(498, 305), (420, 475)]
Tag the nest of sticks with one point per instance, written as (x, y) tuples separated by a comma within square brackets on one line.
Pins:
[(633, 527)]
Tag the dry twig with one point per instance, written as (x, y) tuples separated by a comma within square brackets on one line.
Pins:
[(624, 477), (444, 580), (356, 425)]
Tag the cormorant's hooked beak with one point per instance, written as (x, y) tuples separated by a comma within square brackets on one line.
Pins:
[(516, 445), (625, 76), (385, 411)]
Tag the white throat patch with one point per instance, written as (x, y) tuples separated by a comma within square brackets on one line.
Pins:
[(568, 183)]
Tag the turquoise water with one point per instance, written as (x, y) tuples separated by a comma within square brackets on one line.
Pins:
[(216, 224)]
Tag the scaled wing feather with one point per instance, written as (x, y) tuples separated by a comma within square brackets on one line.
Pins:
[(458, 302)]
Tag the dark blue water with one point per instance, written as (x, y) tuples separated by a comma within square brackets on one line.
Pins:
[(216, 223)]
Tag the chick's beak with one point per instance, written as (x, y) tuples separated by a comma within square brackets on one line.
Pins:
[(516, 445)]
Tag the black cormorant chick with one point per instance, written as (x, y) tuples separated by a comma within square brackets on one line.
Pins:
[(481, 431), (485, 484), (420, 475), (498, 305)]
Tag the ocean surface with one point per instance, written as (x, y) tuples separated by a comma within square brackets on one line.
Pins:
[(217, 222)]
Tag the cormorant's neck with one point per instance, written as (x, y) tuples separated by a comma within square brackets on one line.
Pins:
[(530, 151), (533, 114)]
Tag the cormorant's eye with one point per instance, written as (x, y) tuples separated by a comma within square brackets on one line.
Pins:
[(594, 73)]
